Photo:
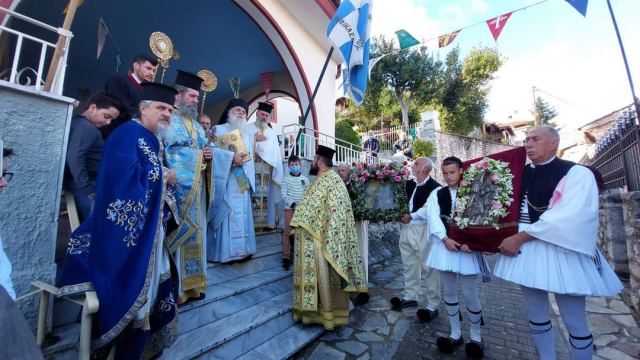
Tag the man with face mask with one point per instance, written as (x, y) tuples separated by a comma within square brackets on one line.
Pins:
[(269, 170), (231, 234), (372, 146), (328, 262), (186, 150)]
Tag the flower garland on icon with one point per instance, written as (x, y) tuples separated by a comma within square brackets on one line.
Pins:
[(499, 174), (393, 173)]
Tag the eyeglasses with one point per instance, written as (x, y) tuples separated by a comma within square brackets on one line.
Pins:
[(7, 175)]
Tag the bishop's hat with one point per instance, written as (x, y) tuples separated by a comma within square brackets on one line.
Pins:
[(325, 151)]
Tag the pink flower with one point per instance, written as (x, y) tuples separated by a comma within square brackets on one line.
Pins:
[(386, 172), (463, 182), (496, 205), (365, 174), (380, 176), (365, 165), (353, 164), (397, 178), (484, 164), (393, 173), (359, 169), (363, 180), (494, 178), (405, 163)]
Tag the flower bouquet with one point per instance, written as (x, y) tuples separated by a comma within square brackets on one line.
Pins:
[(378, 190)]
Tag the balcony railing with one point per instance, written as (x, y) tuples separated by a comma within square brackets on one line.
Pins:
[(15, 73)]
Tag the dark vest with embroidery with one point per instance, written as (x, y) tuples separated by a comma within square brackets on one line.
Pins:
[(422, 193), (444, 201), (538, 184)]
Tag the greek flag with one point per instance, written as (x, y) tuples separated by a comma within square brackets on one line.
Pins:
[(348, 32)]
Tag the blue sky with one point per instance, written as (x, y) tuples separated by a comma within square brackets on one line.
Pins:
[(551, 46)]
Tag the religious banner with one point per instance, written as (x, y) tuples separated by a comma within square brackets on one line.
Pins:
[(488, 202), (447, 39), (497, 24), (579, 5), (102, 35), (379, 190)]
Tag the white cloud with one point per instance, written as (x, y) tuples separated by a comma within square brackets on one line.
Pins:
[(390, 16)]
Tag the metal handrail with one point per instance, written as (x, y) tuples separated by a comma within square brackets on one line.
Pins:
[(58, 81)]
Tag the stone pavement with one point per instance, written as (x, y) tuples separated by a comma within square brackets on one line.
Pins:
[(377, 332)]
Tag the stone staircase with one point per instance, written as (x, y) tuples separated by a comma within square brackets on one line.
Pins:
[(246, 314)]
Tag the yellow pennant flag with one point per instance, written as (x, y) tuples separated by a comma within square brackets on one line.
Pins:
[(66, 8)]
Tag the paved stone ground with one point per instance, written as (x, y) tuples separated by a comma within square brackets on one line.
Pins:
[(377, 332)]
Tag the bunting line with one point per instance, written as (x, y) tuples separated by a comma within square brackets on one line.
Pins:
[(452, 35)]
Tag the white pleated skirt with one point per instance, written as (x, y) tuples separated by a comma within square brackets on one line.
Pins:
[(545, 266), (454, 261)]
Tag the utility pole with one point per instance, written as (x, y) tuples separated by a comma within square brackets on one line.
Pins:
[(535, 110), (626, 63)]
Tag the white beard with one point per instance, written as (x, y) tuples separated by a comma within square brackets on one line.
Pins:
[(162, 130), (237, 122)]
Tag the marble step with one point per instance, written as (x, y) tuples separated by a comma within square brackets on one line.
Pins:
[(285, 344), (273, 237), (67, 347), (212, 335), (225, 299), (240, 345), (265, 258)]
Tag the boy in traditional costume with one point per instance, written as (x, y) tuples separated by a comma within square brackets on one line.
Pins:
[(456, 262)]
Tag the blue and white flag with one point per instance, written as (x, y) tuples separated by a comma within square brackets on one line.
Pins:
[(348, 31)]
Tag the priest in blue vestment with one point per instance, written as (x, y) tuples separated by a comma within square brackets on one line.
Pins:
[(186, 150), (120, 251), (231, 234)]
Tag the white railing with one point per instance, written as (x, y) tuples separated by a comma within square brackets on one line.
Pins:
[(305, 145), (15, 71)]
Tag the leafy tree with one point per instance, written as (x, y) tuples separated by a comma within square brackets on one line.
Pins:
[(422, 148), (544, 113), (463, 97), (344, 131), (412, 77)]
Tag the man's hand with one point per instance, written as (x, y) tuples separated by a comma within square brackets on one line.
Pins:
[(405, 218), (207, 153), (511, 245), (453, 245), (260, 137), (238, 159), (171, 177)]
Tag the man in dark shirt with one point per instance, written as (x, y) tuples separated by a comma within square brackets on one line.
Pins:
[(84, 149), (371, 146), (127, 89)]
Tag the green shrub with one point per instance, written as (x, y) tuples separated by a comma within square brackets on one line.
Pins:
[(422, 148)]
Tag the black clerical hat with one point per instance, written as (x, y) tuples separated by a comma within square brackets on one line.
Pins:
[(325, 151), (230, 105), (265, 106), (189, 80), (158, 92)]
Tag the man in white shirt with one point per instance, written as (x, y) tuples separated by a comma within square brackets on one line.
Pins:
[(5, 265), (414, 246)]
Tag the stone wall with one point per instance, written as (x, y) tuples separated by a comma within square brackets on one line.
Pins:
[(611, 233), (466, 148), (36, 125), (631, 211), (619, 238)]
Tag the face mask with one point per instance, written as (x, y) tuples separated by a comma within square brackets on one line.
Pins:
[(294, 169)]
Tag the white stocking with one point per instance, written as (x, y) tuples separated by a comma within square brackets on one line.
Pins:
[(539, 322), (574, 316), (470, 292), (449, 283)]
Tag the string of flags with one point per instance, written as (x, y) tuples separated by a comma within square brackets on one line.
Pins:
[(496, 25)]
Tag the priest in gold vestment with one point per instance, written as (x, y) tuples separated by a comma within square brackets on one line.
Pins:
[(327, 263)]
